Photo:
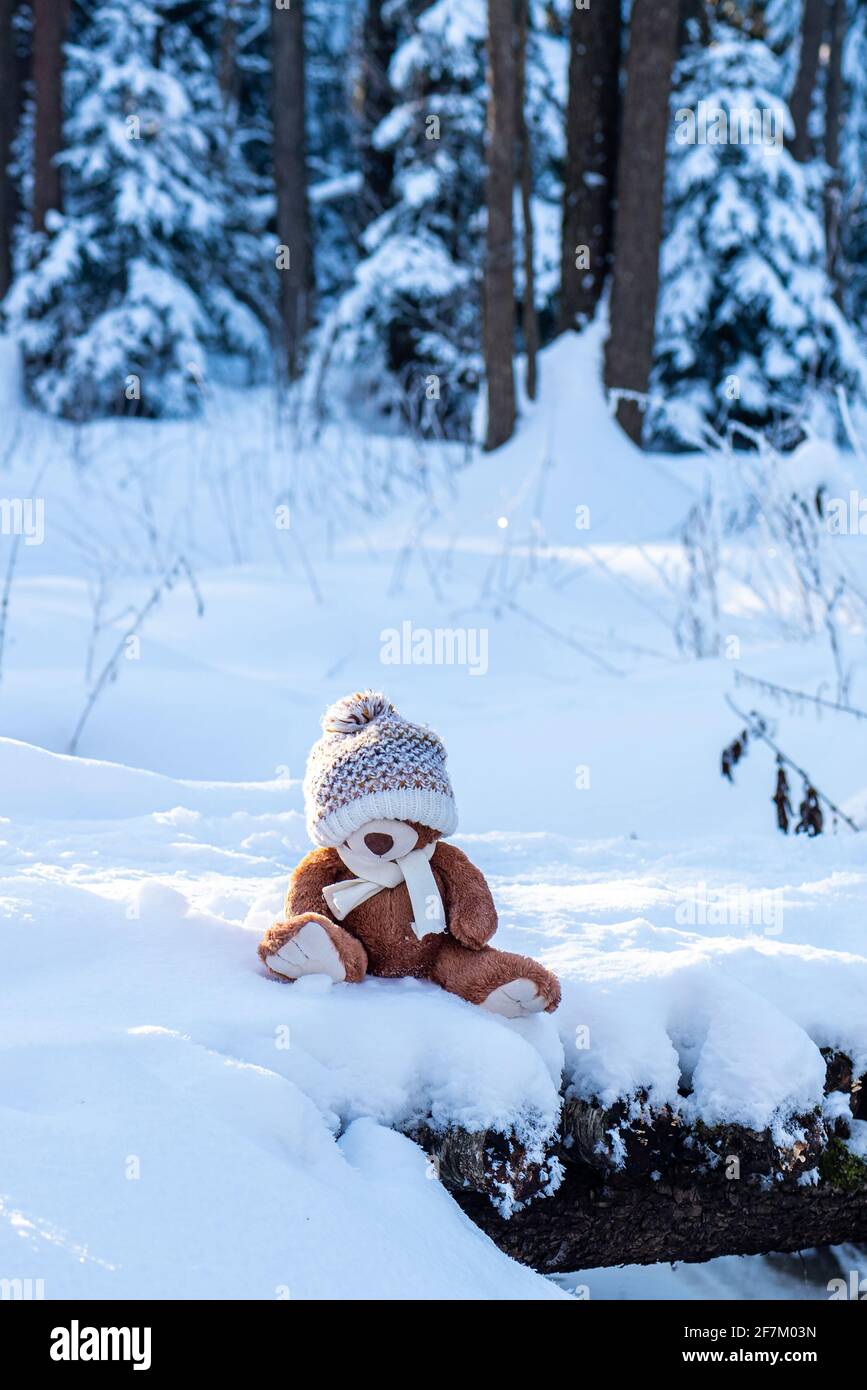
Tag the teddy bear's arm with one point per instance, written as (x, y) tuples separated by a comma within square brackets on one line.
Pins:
[(470, 912), (318, 868)]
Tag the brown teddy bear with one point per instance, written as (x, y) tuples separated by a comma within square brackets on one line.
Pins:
[(384, 894)]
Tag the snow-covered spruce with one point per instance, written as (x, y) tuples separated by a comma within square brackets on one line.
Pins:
[(747, 328), (412, 311), (157, 258), (410, 320)]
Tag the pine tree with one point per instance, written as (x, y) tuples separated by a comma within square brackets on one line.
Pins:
[(407, 332), (411, 317), (122, 298), (747, 329)]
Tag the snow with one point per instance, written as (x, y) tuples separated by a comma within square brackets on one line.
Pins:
[(176, 1123), (805, 1275), (140, 1037)]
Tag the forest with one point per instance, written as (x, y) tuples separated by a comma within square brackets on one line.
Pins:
[(393, 205)]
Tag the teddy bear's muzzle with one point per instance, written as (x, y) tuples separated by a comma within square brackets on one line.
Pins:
[(382, 840)]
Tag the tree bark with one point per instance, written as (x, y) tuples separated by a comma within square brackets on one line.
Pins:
[(588, 1223), (485, 1162), (227, 63), (499, 292), (11, 106), (834, 115), (529, 317), (50, 18), (290, 178), (641, 175), (812, 32), (378, 39), (590, 175)]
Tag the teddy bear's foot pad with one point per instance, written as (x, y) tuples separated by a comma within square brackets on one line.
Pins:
[(516, 999), (309, 952)]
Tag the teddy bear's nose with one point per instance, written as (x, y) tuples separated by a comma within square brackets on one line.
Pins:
[(378, 843)]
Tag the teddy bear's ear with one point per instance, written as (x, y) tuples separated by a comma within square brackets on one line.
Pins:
[(351, 713)]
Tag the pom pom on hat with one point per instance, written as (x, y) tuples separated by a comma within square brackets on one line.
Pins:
[(351, 713)]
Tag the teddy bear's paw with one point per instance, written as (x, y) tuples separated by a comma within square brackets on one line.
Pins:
[(309, 952), (516, 999)]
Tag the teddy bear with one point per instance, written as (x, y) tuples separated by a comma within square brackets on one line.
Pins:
[(383, 893)]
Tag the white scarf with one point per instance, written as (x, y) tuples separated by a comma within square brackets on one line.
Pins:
[(371, 876)]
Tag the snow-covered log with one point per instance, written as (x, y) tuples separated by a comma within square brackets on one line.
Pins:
[(497, 1166), (634, 1185)]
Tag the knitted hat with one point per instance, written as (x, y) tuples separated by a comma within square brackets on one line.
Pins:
[(371, 764)]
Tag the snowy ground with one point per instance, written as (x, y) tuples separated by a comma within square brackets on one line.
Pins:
[(174, 1124)]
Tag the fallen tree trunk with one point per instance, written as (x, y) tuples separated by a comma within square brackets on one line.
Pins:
[(587, 1223), (634, 1184)]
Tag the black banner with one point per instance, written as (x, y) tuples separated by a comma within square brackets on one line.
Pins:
[(159, 1337)]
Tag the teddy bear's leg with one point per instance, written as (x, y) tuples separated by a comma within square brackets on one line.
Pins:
[(311, 945), (497, 980)]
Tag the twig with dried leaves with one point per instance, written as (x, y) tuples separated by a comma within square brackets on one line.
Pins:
[(756, 727)]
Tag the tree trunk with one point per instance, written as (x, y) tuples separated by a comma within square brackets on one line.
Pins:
[(290, 178), (640, 1185), (588, 1223), (833, 128), (11, 105), (801, 103), (589, 182), (378, 39), (227, 62), (529, 317), (641, 175), (499, 293), (50, 18)]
